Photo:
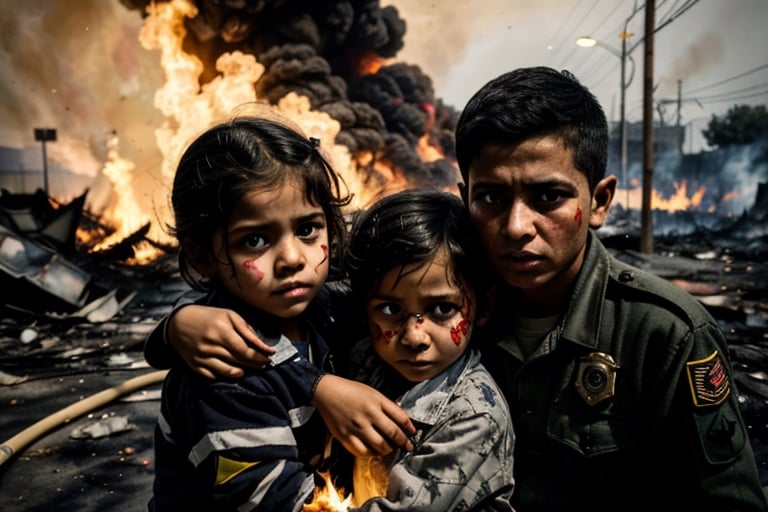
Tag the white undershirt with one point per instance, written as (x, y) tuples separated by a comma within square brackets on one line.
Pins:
[(530, 331)]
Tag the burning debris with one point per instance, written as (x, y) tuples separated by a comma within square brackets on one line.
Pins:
[(47, 267), (35, 240)]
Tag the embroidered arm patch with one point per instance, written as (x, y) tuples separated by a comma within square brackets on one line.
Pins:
[(708, 380)]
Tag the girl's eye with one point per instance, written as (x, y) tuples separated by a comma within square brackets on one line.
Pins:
[(309, 230), (254, 242), (389, 309), (442, 311)]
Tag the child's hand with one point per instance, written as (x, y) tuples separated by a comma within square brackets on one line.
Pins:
[(216, 342), (365, 422)]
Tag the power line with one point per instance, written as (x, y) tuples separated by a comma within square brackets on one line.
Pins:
[(599, 63), (740, 75), (560, 28), (687, 5), (569, 35), (723, 97)]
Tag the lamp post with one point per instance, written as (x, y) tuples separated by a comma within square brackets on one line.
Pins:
[(589, 42), (45, 135)]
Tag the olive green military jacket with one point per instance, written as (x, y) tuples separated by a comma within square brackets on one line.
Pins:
[(628, 404)]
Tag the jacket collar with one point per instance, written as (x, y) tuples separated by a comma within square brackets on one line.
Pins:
[(581, 322), (426, 401)]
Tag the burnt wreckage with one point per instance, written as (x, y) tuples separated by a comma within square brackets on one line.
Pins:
[(42, 270)]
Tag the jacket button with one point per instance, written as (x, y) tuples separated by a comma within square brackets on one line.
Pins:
[(626, 276)]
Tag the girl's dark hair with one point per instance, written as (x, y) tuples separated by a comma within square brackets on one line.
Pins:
[(239, 156), (531, 102), (410, 227)]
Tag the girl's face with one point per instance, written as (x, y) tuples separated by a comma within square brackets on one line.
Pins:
[(420, 324), (278, 243)]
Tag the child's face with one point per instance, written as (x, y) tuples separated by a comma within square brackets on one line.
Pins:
[(421, 324), (278, 243)]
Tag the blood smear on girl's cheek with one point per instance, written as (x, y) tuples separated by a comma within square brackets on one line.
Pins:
[(577, 217), (459, 332), (251, 265), (387, 334)]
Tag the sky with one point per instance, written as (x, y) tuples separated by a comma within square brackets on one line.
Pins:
[(77, 65), (717, 49)]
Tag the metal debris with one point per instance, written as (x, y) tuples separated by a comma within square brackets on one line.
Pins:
[(103, 427)]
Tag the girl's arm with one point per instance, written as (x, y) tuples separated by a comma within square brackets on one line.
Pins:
[(214, 342), (364, 421)]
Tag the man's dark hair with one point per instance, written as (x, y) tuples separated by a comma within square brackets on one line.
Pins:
[(535, 102)]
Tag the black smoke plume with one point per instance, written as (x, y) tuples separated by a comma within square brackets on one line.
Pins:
[(325, 50)]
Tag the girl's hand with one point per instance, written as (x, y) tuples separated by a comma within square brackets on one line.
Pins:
[(365, 422), (216, 342)]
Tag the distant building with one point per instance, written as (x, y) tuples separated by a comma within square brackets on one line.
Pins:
[(666, 140)]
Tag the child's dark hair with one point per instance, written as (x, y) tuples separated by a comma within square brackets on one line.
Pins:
[(530, 102), (239, 156), (411, 227)]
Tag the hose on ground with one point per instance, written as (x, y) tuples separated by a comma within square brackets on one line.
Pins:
[(87, 404)]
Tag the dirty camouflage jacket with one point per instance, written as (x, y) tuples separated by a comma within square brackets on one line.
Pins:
[(462, 459)]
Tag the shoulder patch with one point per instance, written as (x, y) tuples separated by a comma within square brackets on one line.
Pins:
[(708, 379)]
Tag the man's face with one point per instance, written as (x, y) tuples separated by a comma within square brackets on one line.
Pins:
[(533, 209)]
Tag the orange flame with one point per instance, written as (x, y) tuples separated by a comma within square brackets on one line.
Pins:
[(190, 108), (328, 498), (370, 64), (125, 212), (679, 200)]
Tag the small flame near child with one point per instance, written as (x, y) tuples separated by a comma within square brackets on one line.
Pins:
[(328, 498)]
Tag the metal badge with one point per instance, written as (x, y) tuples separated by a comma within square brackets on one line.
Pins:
[(596, 377)]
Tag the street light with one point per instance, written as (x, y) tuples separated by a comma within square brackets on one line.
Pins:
[(43, 135), (589, 42)]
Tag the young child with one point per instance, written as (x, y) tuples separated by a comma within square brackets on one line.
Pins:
[(413, 263), (257, 214)]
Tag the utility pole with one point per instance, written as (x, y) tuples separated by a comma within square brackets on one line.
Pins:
[(646, 215), (623, 107)]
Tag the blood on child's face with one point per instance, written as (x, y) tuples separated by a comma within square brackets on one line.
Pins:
[(420, 318), (278, 244)]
